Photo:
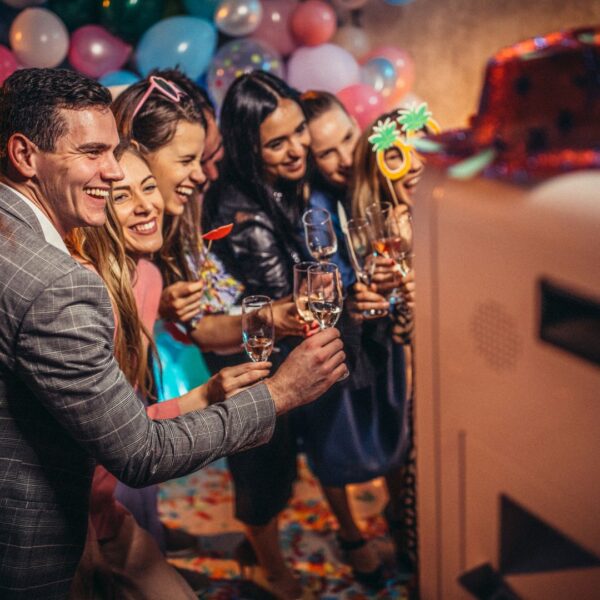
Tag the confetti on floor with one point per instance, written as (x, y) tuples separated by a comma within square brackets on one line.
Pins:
[(202, 505)]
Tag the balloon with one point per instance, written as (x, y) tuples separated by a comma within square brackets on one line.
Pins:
[(274, 27), (362, 102), (236, 58), (380, 74), (8, 63), (354, 39), (201, 8), (94, 51), (76, 13), (327, 67), (405, 71), (23, 3), (313, 23), (39, 38), (187, 42), (238, 17), (116, 78), (129, 19), (349, 4)]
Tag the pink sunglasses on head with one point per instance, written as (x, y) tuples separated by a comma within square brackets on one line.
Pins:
[(167, 88)]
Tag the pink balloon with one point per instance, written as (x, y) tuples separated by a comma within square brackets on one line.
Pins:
[(362, 102), (313, 22), (8, 63), (94, 51), (405, 71), (274, 28), (326, 67)]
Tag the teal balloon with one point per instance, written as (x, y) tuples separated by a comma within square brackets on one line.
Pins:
[(76, 13), (201, 8), (129, 19), (121, 77), (185, 42)]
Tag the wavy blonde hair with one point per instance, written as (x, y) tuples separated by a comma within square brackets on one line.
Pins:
[(104, 249), (368, 184)]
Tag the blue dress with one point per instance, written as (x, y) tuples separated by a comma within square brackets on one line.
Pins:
[(360, 429)]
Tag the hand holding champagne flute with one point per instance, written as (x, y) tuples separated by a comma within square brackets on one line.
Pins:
[(258, 332)]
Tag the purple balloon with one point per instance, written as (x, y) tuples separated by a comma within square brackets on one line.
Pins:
[(8, 63), (95, 51), (326, 67)]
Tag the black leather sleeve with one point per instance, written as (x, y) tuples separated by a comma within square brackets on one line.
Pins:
[(263, 265)]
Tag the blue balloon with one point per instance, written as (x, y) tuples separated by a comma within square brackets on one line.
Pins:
[(182, 41), (119, 78), (201, 8)]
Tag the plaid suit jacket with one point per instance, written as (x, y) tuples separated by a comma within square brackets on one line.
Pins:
[(64, 404)]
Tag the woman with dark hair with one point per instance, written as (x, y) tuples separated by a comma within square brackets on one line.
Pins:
[(262, 192)]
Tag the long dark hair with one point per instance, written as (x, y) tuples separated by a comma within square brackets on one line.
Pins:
[(152, 128), (248, 102)]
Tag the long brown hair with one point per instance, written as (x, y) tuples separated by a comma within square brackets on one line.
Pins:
[(104, 249), (152, 128)]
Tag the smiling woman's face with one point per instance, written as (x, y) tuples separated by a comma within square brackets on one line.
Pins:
[(139, 207), (176, 166), (284, 141), (405, 186)]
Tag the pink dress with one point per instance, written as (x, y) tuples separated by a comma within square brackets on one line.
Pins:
[(106, 513)]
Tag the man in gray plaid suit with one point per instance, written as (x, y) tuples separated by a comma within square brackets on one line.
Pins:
[(64, 403)]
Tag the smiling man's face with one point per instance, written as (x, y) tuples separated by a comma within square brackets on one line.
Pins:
[(75, 178)]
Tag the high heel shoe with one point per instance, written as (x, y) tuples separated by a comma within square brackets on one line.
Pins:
[(374, 579)]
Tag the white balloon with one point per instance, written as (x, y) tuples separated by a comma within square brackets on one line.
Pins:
[(39, 38), (354, 39), (238, 17), (326, 67), (23, 3)]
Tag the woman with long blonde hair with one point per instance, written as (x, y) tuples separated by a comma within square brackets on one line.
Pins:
[(121, 555)]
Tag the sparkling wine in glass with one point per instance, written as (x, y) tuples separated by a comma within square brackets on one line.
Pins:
[(258, 332), (325, 297), (301, 290), (321, 240), (362, 257)]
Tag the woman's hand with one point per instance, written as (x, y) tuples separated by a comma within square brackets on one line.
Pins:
[(385, 276), (365, 298), (181, 301), (286, 319), (407, 285), (231, 380)]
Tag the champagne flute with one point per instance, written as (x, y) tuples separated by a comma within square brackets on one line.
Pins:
[(321, 240), (400, 241), (258, 332), (325, 296), (301, 290), (362, 257), (377, 215)]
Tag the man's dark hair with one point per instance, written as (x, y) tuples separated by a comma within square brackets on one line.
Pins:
[(31, 101)]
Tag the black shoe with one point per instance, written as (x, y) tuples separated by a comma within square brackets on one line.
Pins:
[(374, 579), (180, 544)]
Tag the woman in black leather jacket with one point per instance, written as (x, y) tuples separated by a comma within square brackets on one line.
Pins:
[(261, 191)]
